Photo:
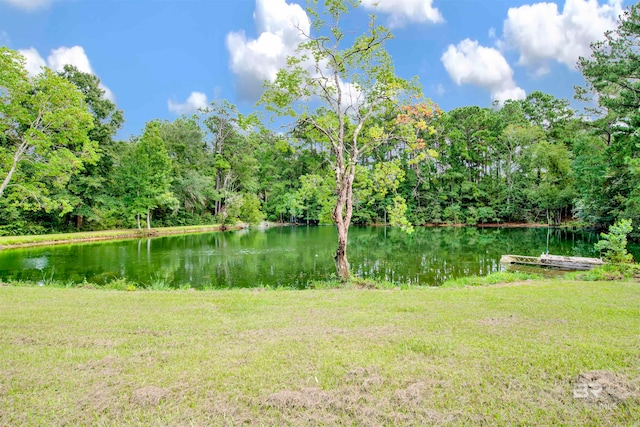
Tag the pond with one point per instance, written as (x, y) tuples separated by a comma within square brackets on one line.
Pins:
[(291, 256)]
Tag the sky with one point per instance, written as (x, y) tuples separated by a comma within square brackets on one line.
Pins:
[(159, 59)]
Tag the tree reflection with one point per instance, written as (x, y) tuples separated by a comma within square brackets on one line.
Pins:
[(292, 256)]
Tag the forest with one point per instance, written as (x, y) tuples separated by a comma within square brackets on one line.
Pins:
[(537, 160)]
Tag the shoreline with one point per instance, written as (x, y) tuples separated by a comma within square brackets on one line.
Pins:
[(98, 236), (502, 225), (25, 241)]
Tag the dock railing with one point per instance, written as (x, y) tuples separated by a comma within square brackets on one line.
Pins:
[(554, 261)]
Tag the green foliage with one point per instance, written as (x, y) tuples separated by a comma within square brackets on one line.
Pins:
[(397, 214), (607, 272), (120, 284), (230, 152), (107, 119), (250, 210), (610, 70), (144, 175), (589, 169), (388, 158), (245, 207), (614, 243), (554, 190), (453, 214), (612, 81), (44, 125), (88, 188), (355, 86), (315, 195), (486, 214)]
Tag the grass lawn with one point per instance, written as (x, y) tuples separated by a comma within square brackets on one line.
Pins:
[(539, 353)]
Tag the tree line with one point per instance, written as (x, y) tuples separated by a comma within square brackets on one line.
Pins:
[(533, 160)]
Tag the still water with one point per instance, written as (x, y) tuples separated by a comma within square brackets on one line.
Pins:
[(291, 256)]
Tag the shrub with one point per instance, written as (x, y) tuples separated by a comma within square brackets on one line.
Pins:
[(607, 272), (614, 243)]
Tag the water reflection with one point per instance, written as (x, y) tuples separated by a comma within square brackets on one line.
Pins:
[(292, 256), (39, 263)]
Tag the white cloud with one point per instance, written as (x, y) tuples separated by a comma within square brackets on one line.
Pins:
[(35, 62), (506, 93), (196, 101), (468, 62), (440, 89), (28, 5), (108, 93), (60, 57), (280, 27), (403, 11), (541, 33), (75, 56)]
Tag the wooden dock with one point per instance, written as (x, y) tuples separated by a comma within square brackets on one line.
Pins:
[(554, 261)]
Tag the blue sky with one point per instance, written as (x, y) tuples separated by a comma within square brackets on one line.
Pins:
[(163, 58)]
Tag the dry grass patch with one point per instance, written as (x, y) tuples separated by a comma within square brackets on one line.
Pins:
[(149, 395), (603, 387)]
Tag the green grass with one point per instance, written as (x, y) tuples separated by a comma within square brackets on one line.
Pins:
[(98, 235), (353, 283), (491, 279), (460, 356), (607, 272), (159, 283)]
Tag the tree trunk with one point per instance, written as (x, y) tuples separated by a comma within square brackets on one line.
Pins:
[(138, 219), (342, 264), (148, 220), (16, 158), (342, 216), (218, 204), (79, 222)]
